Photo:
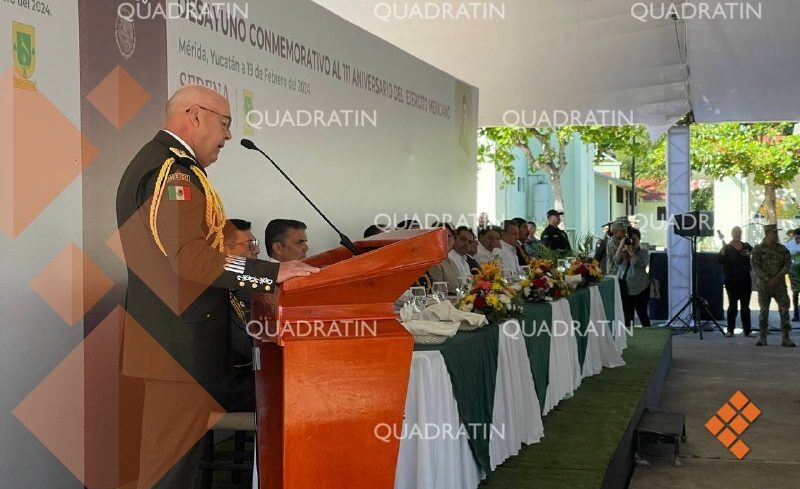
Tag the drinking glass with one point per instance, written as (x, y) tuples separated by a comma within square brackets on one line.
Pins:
[(463, 288), (418, 300), (440, 291)]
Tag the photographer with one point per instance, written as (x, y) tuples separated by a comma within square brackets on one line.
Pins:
[(631, 261), (618, 232)]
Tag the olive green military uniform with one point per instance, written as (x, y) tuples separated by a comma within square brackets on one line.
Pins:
[(771, 261), (794, 279)]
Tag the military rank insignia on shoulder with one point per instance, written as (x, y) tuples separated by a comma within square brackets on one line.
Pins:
[(181, 153)]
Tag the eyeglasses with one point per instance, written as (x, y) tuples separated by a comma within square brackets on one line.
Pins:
[(251, 243), (226, 124)]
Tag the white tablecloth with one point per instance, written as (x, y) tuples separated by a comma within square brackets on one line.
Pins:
[(440, 462), (565, 369)]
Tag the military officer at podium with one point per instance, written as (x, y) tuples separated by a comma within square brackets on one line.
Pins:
[(170, 219), (771, 262)]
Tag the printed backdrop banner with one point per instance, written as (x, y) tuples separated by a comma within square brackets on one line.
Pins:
[(366, 130)]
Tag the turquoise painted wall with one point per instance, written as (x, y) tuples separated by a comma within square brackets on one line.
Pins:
[(530, 199)]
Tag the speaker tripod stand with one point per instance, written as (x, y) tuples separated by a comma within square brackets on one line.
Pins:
[(695, 301)]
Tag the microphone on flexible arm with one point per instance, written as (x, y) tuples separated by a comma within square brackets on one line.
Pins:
[(343, 239)]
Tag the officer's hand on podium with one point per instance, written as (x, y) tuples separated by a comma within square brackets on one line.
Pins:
[(294, 268)]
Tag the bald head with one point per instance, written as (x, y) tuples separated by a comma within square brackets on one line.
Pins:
[(201, 117)]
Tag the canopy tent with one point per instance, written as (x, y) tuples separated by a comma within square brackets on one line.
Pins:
[(536, 60)]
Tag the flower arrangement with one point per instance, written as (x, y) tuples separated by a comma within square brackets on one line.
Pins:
[(491, 295), (588, 268), (546, 282)]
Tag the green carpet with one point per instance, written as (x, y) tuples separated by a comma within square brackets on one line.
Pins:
[(582, 433)]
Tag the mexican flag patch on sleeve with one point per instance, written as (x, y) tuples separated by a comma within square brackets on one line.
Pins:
[(179, 192)]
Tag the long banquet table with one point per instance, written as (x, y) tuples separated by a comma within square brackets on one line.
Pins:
[(476, 399)]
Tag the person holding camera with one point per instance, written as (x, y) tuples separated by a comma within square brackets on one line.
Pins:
[(735, 259), (631, 261), (617, 231)]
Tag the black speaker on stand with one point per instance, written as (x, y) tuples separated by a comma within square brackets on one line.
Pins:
[(691, 226)]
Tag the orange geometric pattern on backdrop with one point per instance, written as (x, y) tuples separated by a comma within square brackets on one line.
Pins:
[(33, 174), (71, 284), (176, 414)]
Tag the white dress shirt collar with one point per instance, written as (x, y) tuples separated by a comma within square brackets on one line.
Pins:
[(460, 262)]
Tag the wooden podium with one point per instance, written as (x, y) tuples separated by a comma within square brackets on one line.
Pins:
[(333, 365)]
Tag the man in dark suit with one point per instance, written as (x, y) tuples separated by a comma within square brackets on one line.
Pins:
[(170, 220)]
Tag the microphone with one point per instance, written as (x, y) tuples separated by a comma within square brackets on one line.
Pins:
[(343, 239)]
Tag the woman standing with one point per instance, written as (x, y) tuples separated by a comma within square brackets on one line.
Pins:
[(634, 281), (735, 259)]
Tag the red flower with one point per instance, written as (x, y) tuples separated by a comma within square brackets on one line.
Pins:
[(484, 285), (480, 302), (539, 283), (557, 294)]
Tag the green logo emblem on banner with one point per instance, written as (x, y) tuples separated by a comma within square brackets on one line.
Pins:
[(247, 106), (23, 38)]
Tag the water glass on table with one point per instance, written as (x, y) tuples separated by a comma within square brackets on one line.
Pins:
[(439, 291), (419, 299)]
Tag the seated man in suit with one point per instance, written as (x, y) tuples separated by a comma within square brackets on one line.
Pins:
[(524, 233), (285, 240), (472, 250), (447, 270), (488, 244), (460, 254), (508, 246)]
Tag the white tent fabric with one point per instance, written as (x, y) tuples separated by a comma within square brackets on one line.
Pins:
[(541, 59)]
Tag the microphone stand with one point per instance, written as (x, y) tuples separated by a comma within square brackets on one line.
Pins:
[(343, 239)]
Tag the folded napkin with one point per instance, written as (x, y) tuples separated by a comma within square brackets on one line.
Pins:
[(441, 319), (446, 311)]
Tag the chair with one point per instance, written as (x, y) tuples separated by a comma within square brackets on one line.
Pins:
[(237, 461)]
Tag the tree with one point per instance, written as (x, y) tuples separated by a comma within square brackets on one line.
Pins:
[(497, 144), (624, 143), (768, 152)]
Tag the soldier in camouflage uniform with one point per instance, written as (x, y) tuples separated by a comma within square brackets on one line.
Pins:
[(793, 245), (771, 263)]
